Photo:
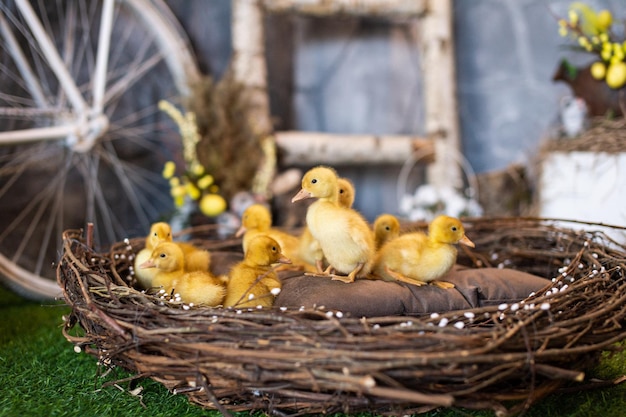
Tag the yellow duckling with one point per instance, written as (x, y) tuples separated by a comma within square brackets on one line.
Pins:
[(201, 288), (418, 259), (309, 248), (196, 259), (257, 220), (346, 192), (159, 232), (198, 287), (386, 227), (346, 239), (253, 282)]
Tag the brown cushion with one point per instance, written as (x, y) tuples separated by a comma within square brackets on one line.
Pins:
[(371, 298)]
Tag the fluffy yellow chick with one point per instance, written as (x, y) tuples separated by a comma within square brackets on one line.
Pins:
[(195, 259), (418, 259), (253, 282), (309, 249), (346, 239), (346, 192), (386, 227), (159, 232), (257, 220), (198, 287)]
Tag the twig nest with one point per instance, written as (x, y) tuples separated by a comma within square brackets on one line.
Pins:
[(316, 360)]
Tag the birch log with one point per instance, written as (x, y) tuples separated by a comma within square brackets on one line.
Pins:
[(384, 8), (437, 50), (311, 148), (248, 58), (250, 69)]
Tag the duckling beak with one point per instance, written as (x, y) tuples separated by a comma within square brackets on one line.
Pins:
[(283, 260), (302, 194), (465, 241), (148, 264), (240, 232)]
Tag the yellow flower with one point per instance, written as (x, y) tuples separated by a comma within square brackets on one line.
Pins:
[(563, 31), (179, 201), (174, 182), (169, 169), (193, 191), (178, 191), (197, 169), (573, 17), (205, 181)]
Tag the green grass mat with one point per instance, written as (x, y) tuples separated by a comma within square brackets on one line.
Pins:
[(41, 375)]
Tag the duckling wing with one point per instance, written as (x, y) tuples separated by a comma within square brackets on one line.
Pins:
[(400, 254), (250, 286), (360, 234), (199, 260)]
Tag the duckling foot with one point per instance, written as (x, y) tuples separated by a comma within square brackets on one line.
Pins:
[(442, 284), (402, 278), (319, 265), (343, 278), (320, 275), (329, 272), (351, 276)]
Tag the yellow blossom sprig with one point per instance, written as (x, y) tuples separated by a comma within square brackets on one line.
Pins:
[(195, 183), (188, 130), (592, 31)]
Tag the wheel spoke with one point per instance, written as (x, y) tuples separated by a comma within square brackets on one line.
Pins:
[(60, 68), (102, 57), (132, 75), (28, 75), (51, 54)]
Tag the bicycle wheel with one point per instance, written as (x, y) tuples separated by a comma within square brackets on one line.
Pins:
[(108, 173)]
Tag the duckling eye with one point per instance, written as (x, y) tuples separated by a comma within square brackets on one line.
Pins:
[(454, 228), (340, 191), (387, 228), (162, 255), (273, 248), (314, 181)]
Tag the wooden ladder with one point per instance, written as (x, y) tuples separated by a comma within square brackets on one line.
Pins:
[(312, 148)]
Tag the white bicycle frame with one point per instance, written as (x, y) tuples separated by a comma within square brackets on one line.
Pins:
[(88, 122)]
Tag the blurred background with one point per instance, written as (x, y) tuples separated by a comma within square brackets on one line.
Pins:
[(527, 125), (362, 75)]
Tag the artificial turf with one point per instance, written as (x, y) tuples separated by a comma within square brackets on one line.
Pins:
[(42, 375)]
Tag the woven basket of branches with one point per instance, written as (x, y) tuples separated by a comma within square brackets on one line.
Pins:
[(297, 361)]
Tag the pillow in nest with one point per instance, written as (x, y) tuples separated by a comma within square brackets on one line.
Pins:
[(473, 287)]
